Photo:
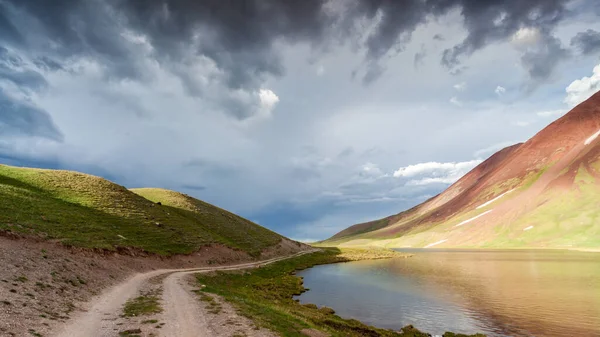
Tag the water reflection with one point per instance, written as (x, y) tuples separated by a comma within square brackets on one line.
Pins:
[(501, 293)]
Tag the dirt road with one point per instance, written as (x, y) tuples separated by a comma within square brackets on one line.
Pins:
[(181, 307)]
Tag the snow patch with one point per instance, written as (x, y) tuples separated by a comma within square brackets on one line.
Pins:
[(527, 228), (496, 198), (473, 218), (592, 138), (436, 243)]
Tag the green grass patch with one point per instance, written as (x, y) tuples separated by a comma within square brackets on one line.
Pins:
[(212, 305), (147, 304), (87, 211), (265, 295), (131, 333), (150, 321)]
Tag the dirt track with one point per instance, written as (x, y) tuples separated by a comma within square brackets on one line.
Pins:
[(181, 308)]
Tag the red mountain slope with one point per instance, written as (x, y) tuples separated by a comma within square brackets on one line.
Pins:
[(531, 173)]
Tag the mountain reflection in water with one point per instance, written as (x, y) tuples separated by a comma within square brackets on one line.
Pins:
[(496, 292)]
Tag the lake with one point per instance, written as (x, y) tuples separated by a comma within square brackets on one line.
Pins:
[(496, 292)]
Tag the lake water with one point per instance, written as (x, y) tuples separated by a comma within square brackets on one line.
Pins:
[(496, 292)]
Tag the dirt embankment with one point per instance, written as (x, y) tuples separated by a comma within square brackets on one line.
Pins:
[(44, 285)]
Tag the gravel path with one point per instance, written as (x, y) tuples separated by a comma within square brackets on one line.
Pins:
[(183, 314), (182, 310)]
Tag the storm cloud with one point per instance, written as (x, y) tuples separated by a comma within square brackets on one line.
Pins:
[(238, 39), (18, 115), (587, 42)]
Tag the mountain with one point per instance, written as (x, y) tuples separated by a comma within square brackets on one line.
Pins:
[(88, 211), (541, 193)]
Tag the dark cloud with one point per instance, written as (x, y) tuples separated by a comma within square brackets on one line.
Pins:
[(495, 20), (419, 56), (541, 60), (587, 42), (17, 114), (374, 71), (345, 153), (14, 70), (486, 22), (240, 38), (19, 118), (8, 32), (193, 187), (46, 63), (439, 37), (63, 29), (458, 70)]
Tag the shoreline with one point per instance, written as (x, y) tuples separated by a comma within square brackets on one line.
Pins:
[(266, 296), (469, 249)]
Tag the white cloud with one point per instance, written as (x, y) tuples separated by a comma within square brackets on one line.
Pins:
[(372, 169), (580, 90), (460, 86), (500, 19), (523, 123), (268, 100), (526, 36), (500, 90), (434, 172), (422, 168), (454, 100), (320, 70), (552, 113)]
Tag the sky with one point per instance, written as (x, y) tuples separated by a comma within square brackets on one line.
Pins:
[(303, 116)]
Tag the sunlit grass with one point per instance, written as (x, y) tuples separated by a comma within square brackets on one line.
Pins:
[(88, 211)]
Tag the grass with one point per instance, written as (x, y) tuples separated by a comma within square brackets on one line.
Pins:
[(226, 227), (131, 333), (147, 304), (213, 306), (265, 295), (87, 211), (566, 219), (150, 321), (34, 333)]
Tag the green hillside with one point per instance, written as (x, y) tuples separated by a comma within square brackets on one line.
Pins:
[(87, 211), (565, 214)]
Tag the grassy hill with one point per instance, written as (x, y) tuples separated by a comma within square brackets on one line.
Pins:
[(88, 211)]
